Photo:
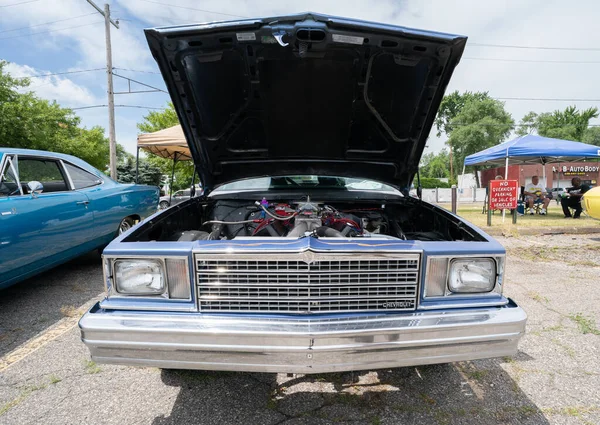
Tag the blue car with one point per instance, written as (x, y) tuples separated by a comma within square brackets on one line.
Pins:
[(305, 252), (55, 207)]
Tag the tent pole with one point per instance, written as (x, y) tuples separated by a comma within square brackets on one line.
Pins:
[(544, 173), (137, 164), (505, 178), (172, 177), (463, 176)]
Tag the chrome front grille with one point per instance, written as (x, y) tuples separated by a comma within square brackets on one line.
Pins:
[(307, 282)]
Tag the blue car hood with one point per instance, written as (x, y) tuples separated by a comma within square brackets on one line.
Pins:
[(305, 94)]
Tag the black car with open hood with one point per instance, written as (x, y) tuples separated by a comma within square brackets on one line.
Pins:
[(305, 94)]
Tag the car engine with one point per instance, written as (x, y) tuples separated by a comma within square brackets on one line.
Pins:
[(293, 219)]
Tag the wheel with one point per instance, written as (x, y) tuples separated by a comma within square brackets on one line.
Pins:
[(163, 205), (126, 224)]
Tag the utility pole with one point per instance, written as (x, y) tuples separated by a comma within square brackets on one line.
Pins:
[(111, 98)]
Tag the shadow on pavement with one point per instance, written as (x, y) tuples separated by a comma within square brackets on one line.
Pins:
[(36, 304), (478, 392)]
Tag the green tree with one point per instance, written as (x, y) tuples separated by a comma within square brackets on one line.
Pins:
[(479, 125), (435, 165), (450, 107), (592, 136), (148, 173), (29, 122), (452, 104), (570, 124)]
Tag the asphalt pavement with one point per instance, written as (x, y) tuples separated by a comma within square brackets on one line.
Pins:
[(46, 375)]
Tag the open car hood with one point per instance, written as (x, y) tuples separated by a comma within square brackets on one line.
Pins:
[(305, 94)]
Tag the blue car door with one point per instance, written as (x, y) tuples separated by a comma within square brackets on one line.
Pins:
[(43, 229)]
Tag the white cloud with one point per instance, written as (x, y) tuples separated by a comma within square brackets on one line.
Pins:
[(512, 22), (83, 36), (60, 88)]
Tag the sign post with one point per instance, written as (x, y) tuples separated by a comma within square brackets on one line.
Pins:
[(503, 195)]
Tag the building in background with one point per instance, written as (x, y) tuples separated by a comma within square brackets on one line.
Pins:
[(557, 175)]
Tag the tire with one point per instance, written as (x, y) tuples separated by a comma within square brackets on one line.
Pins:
[(163, 205), (125, 225)]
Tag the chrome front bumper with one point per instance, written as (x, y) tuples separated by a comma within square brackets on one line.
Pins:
[(300, 345)]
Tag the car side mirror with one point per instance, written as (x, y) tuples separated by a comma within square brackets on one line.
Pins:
[(35, 188)]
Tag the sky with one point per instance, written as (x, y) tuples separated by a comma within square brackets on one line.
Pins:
[(55, 36)]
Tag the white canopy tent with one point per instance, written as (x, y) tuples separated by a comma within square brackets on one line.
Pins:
[(169, 143)]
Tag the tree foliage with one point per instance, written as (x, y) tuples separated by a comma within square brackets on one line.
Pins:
[(452, 104), (480, 124), (592, 136), (159, 120), (435, 165), (570, 124), (148, 173), (26, 121)]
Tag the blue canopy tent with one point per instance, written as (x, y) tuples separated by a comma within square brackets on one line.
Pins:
[(533, 149)]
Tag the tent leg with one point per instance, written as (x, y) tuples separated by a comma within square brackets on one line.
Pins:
[(505, 178), (460, 185), (172, 177), (137, 165)]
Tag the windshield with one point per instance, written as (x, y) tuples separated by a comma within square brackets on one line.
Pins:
[(305, 182)]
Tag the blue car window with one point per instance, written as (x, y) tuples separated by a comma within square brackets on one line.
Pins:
[(45, 171), (81, 178), (9, 184)]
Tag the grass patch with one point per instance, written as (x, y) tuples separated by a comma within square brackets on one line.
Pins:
[(91, 367), (427, 399), (25, 392), (69, 311), (375, 420), (554, 218), (477, 375), (537, 297), (584, 263), (585, 324), (570, 352), (54, 379)]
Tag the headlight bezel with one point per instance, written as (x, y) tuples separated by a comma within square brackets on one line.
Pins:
[(171, 284), (436, 282)]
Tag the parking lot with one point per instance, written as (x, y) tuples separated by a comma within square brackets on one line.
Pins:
[(46, 375)]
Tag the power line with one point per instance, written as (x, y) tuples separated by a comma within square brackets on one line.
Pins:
[(530, 60), (508, 46), (116, 106), (60, 73), (138, 70), (47, 23), (459, 124), (546, 99), (17, 4), (45, 32), (138, 82), (191, 8)]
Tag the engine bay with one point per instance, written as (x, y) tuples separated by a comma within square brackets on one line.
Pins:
[(294, 219), (225, 219)]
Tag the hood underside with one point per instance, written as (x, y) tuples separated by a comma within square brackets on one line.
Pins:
[(305, 94)]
